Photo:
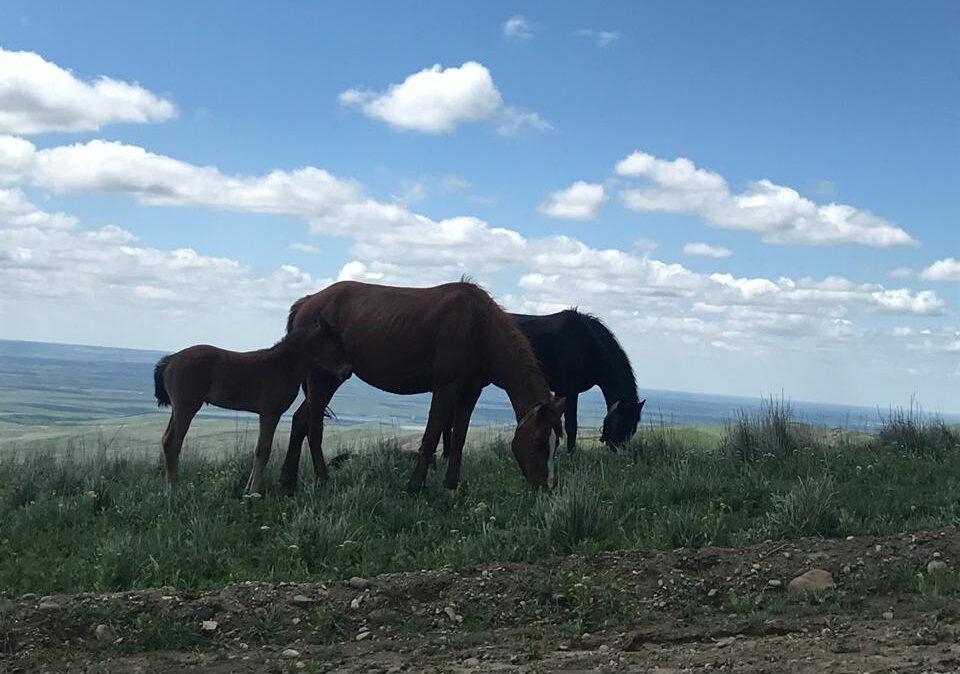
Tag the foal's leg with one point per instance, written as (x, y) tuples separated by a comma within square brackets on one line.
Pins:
[(570, 420), (177, 427), (440, 407), (268, 425), (466, 401), (298, 433)]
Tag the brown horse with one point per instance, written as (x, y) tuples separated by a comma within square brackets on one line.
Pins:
[(264, 381), (452, 340)]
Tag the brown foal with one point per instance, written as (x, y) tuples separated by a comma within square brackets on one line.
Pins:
[(264, 381)]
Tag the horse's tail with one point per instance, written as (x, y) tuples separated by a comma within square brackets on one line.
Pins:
[(294, 308), (159, 389)]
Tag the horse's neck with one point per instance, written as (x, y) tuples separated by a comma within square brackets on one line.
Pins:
[(525, 386), (613, 376)]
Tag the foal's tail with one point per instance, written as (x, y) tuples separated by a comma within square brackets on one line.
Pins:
[(159, 390)]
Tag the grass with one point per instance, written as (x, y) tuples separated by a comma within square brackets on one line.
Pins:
[(105, 521)]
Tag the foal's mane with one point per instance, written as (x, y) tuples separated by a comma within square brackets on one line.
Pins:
[(609, 345)]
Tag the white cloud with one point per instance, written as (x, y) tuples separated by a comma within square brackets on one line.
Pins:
[(706, 250), (601, 38), (778, 213), (947, 269), (304, 248), (437, 100), (517, 28), (580, 201), (900, 272), (56, 273), (645, 245), (37, 96)]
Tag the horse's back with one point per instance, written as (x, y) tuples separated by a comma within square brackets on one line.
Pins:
[(402, 339)]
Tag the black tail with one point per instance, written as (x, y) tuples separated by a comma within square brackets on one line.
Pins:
[(159, 390)]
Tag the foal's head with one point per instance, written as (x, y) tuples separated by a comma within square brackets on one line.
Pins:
[(621, 422), (535, 442), (323, 348)]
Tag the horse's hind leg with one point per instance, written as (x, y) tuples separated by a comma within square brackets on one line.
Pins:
[(298, 433), (440, 409), (173, 437), (320, 390), (466, 401), (268, 425)]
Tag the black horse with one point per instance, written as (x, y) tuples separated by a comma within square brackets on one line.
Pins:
[(576, 352)]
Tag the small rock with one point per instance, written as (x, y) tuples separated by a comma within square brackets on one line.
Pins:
[(301, 600), (471, 662), (29, 596), (296, 621), (103, 633), (49, 605), (254, 494), (773, 582), (290, 653), (358, 583), (363, 635), (888, 615), (712, 593), (936, 566), (355, 603), (453, 615), (204, 613), (209, 625), (814, 580)]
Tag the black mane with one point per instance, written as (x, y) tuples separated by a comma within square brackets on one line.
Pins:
[(611, 348)]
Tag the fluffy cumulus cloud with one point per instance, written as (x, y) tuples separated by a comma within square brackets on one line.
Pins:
[(947, 269), (37, 96), (436, 100), (52, 266), (779, 214), (580, 201), (706, 250), (517, 28)]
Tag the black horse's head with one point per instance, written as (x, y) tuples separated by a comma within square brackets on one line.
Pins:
[(621, 422)]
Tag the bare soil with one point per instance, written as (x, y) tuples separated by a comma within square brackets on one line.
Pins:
[(637, 610)]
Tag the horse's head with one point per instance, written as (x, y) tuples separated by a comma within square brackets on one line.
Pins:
[(621, 422), (535, 442), (326, 350)]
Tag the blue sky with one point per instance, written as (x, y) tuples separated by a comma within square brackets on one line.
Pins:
[(851, 103)]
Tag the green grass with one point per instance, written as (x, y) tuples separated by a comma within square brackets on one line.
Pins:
[(106, 522)]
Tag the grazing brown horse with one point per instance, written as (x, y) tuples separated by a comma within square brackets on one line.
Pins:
[(452, 340), (264, 381)]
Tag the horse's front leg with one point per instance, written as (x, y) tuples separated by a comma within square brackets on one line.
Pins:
[(570, 420), (465, 403), (440, 405), (268, 426)]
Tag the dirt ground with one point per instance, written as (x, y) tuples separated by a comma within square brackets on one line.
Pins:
[(638, 610)]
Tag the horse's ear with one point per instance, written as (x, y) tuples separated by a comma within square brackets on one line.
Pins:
[(613, 407)]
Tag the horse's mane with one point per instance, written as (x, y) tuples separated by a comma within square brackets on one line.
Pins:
[(498, 319), (609, 345)]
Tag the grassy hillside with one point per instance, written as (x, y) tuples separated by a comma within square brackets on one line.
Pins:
[(106, 521)]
